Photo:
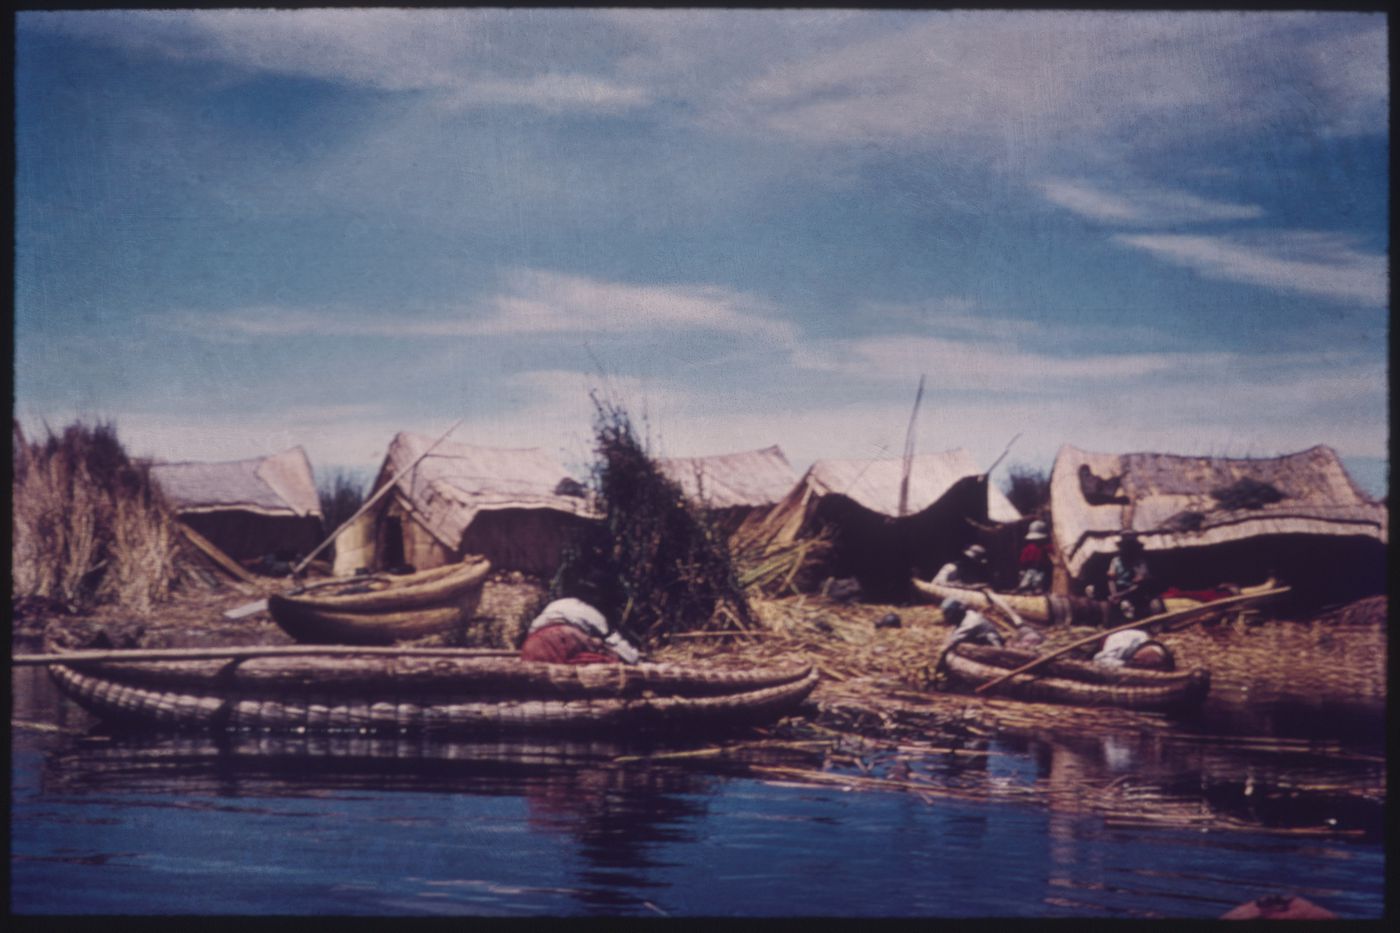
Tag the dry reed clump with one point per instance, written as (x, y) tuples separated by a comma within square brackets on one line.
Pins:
[(89, 524), (658, 565)]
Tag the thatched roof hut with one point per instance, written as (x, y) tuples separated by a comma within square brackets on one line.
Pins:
[(1207, 520), (859, 501), (247, 508), (733, 488), (518, 507)]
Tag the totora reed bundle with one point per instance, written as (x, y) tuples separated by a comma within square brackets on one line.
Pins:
[(658, 565), (89, 524)]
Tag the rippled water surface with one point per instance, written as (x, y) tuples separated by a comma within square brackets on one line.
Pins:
[(113, 824)]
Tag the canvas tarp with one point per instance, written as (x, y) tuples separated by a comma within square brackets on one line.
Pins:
[(947, 495), (749, 479), (513, 505), (1168, 501)]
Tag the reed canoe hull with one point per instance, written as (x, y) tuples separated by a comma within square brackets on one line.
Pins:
[(433, 602), (495, 695), (1077, 683), (1041, 610)]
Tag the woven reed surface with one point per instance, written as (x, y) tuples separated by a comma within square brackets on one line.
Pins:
[(321, 712), (882, 679)]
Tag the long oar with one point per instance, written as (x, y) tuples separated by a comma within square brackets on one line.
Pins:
[(254, 651), (1178, 615)]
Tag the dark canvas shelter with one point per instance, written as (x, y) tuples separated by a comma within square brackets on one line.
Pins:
[(517, 507), (733, 488), (858, 501), (247, 508), (1208, 520)]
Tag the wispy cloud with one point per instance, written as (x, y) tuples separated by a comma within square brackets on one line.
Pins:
[(1322, 264), (531, 302), (1141, 206), (449, 52), (959, 75), (957, 364)]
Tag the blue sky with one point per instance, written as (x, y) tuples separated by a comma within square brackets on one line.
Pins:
[(241, 230)]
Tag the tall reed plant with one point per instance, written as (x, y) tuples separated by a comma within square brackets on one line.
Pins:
[(89, 523)]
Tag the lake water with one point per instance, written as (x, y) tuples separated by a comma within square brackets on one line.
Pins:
[(355, 825)]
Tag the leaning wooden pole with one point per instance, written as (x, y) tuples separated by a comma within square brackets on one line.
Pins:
[(373, 499), (1204, 609)]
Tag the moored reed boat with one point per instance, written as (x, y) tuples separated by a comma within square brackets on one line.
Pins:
[(1042, 610), (1080, 683), (1051, 609), (383, 609), (440, 691)]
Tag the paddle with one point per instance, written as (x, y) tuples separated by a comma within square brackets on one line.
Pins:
[(1205, 609)]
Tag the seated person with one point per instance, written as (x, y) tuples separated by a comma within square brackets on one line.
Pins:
[(1034, 562), (570, 631), (969, 625), (1134, 648), (968, 570), (1131, 586)]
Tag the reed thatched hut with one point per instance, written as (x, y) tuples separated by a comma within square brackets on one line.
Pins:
[(518, 507), (734, 489), (249, 509), (1210, 520), (884, 530)]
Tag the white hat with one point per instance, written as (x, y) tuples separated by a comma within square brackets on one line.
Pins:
[(1036, 532)]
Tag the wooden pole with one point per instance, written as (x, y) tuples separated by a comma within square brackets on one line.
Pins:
[(215, 553), (1201, 610), (1001, 604), (373, 499), (255, 651), (909, 452)]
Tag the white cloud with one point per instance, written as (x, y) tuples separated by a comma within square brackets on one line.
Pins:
[(1010, 80), (555, 93), (1141, 206), (979, 365), (451, 52), (1322, 264), (531, 302)]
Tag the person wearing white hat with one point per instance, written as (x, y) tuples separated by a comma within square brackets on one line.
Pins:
[(970, 569), (1034, 562)]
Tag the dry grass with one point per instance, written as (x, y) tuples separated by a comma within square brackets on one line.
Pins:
[(89, 524)]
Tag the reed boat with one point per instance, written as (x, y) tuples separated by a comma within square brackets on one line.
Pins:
[(1079, 683), (1050, 609), (434, 691), (1042, 610), (382, 609)]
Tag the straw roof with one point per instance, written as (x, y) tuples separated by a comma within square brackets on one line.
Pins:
[(454, 483), (748, 479), (281, 484), (1157, 491)]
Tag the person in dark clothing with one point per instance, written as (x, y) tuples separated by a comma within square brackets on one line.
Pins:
[(1135, 593), (968, 570)]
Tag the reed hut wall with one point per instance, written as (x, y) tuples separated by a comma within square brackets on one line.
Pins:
[(247, 508), (1321, 536), (517, 507)]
